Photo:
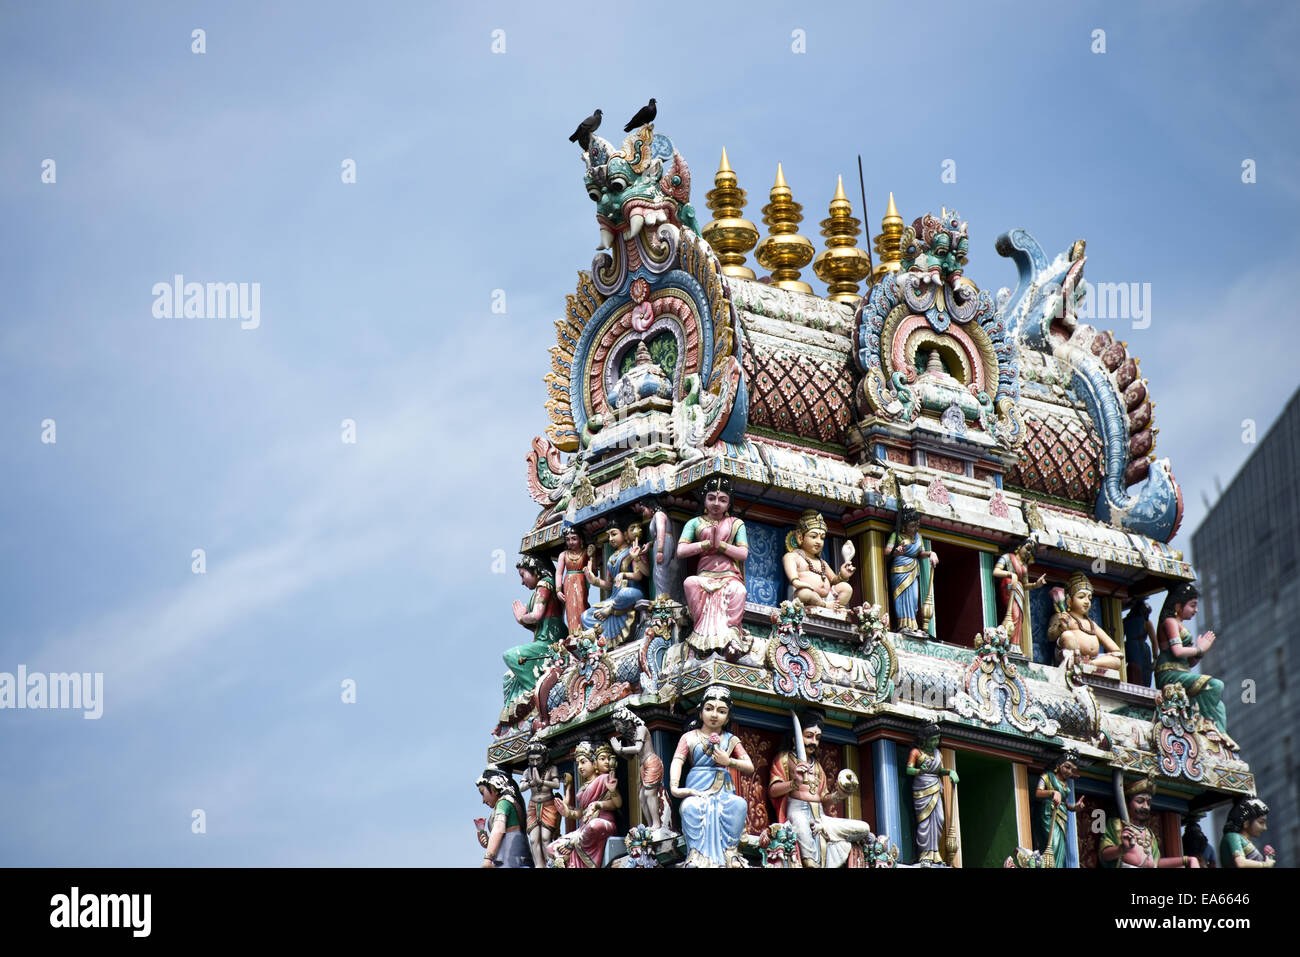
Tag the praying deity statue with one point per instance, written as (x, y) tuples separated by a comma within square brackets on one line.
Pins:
[(544, 617), (1053, 820), (1132, 842), (1179, 651), (904, 552), (594, 808), (1245, 824), (715, 594), (633, 741), (815, 583), (713, 814), (626, 574), (574, 562), (800, 790), (502, 836), (542, 780), (1077, 636), (1012, 576), (925, 768)]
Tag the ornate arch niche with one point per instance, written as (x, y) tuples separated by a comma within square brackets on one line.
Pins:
[(966, 351)]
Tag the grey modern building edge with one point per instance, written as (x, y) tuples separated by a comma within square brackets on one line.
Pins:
[(1245, 552)]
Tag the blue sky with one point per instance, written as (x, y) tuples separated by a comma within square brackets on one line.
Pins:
[(373, 561)]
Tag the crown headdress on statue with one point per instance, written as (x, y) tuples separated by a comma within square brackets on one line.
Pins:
[(1076, 583), (717, 693), (809, 521)]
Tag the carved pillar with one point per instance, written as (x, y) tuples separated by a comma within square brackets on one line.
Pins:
[(1024, 824), (872, 570), (761, 746), (1071, 834), (853, 806), (1112, 614), (950, 793), (633, 791), (884, 760), (988, 589)]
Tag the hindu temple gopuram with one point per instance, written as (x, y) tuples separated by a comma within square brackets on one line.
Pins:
[(862, 579)]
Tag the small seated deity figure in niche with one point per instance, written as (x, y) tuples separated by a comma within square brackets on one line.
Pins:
[(1133, 843), (715, 594), (1053, 820), (544, 617), (633, 741), (596, 802), (1139, 642), (645, 378), (626, 574), (1245, 824), (502, 835), (542, 780), (814, 581), (1179, 651), (575, 560), (662, 544), (904, 552), (1078, 637), (800, 790), (1012, 575), (713, 814), (925, 768)]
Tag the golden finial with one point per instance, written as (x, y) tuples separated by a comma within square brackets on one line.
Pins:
[(889, 250), (842, 266), (730, 235), (784, 251)]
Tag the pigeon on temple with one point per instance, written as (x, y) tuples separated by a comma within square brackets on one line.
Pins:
[(582, 135), (643, 116)]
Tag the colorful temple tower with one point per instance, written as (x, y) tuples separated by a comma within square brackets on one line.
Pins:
[(876, 542)]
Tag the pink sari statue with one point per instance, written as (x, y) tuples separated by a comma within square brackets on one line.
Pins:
[(596, 801), (715, 594)]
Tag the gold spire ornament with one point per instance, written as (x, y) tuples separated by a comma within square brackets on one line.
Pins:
[(730, 235), (842, 265), (889, 250), (784, 251)]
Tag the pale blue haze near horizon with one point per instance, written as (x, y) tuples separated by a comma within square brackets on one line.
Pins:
[(328, 561)]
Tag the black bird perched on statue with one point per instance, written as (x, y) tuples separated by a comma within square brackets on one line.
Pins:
[(582, 135), (643, 116)]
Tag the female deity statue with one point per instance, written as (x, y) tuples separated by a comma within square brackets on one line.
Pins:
[(1139, 640), (713, 814), (815, 583), (1179, 650), (903, 553), (574, 561), (925, 768), (715, 594), (1054, 791), (633, 741), (597, 800), (503, 835), (544, 617), (626, 573), (659, 536), (541, 779), (1012, 575), (1246, 822), (1077, 636)]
